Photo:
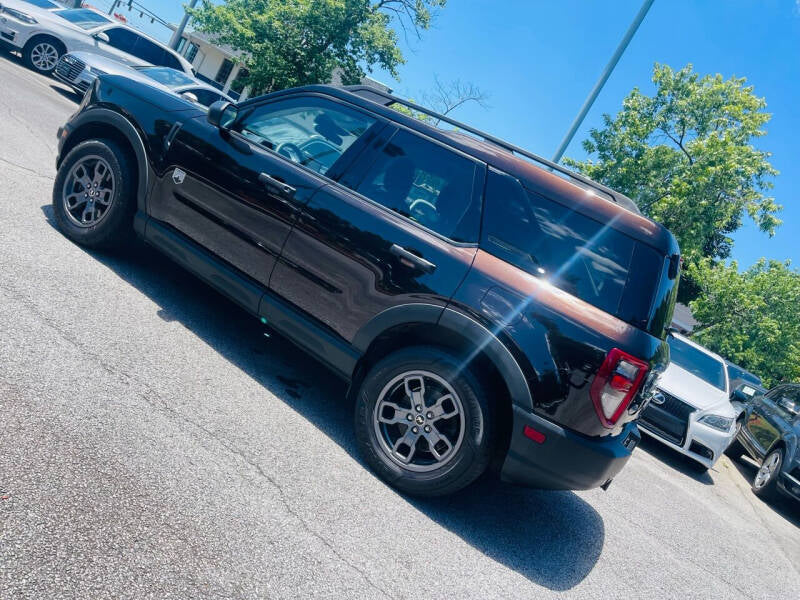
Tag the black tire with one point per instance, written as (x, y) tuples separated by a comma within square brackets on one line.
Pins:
[(39, 42), (735, 449), (768, 489), (465, 461), (115, 228)]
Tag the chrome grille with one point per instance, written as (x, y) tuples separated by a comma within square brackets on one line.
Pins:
[(668, 420), (69, 67)]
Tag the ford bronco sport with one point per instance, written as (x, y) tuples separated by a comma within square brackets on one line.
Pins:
[(489, 309)]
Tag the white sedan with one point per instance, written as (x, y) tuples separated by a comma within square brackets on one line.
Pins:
[(690, 411), (43, 34)]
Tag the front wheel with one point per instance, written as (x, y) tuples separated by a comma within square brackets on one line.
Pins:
[(41, 54), (766, 479), (423, 422), (94, 197)]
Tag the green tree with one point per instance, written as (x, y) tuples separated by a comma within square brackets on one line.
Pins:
[(286, 43), (685, 155), (751, 318)]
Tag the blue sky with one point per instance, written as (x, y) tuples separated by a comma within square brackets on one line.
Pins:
[(539, 59)]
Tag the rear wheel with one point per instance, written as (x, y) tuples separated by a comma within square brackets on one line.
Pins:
[(766, 478), (42, 53), (94, 196), (423, 422)]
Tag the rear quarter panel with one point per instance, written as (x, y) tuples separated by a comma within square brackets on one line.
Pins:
[(559, 340)]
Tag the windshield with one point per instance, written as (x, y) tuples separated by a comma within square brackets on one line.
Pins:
[(697, 362), (166, 76), (82, 17), (43, 3)]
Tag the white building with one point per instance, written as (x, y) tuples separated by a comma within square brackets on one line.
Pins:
[(217, 64)]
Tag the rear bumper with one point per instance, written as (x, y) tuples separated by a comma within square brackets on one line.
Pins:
[(564, 460)]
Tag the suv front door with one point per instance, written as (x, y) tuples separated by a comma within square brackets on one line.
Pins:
[(400, 227), (768, 418), (237, 192)]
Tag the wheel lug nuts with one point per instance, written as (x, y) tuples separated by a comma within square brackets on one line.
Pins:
[(415, 429), (429, 415), (427, 428), (419, 408), (409, 417)]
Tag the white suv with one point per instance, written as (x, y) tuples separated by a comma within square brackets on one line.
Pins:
[(690, 411), (44, 34)]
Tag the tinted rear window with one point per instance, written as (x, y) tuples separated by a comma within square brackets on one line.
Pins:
[(588, 259)]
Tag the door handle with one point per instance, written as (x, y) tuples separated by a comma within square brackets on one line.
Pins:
[(276, 184), (412, 260)]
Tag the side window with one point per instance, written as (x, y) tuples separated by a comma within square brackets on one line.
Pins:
[(204, 96), (575, 253), (121, 39), (427, 183), (148, 51), (309, 131), (171, 61)]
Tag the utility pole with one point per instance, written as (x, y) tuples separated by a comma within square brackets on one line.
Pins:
[(602, 81), (176, 37)]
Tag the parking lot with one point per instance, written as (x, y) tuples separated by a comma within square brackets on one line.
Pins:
[(156, 441)]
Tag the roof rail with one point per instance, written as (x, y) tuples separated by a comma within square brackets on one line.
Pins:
[(386, 99)]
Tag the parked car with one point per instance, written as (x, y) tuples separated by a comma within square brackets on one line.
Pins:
[(768, 431), (80, 69), (690, 411), (43, 35), (516, 316)]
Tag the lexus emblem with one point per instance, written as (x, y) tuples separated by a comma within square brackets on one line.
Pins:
[(658, 398), (178, 176)]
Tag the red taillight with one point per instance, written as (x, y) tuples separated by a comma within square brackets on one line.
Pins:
[(615, 385)]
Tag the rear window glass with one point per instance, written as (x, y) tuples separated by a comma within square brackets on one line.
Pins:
[(697, 362), (577, 254)]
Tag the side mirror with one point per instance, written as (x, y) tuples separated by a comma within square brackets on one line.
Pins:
[(102, 36), (190, 97), (222, 114)]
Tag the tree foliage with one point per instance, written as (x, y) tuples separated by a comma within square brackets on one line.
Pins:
[(751, 318), (685, 155), (286, 43)]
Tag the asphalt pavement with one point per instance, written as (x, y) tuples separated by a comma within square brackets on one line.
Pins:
[(156, 443)]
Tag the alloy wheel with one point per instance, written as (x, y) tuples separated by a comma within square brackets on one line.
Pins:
[(767, 470), (44, 56), (88, 191), (419, 421)]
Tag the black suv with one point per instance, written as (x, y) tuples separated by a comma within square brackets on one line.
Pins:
[(488, 307)]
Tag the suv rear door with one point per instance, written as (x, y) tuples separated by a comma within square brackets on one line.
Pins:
[(400, 227)]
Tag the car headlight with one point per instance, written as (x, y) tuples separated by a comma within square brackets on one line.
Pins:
[(20, 16), (717, 422)]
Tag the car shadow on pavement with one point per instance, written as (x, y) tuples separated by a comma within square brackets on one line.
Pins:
[(787, 508), (552, 538), (69, 94), (677, 461)]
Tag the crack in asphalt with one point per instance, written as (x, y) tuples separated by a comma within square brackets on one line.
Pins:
[(26, 169), (158, 402)]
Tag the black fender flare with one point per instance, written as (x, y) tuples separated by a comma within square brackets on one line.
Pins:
[(479, 336), (109, 117)]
